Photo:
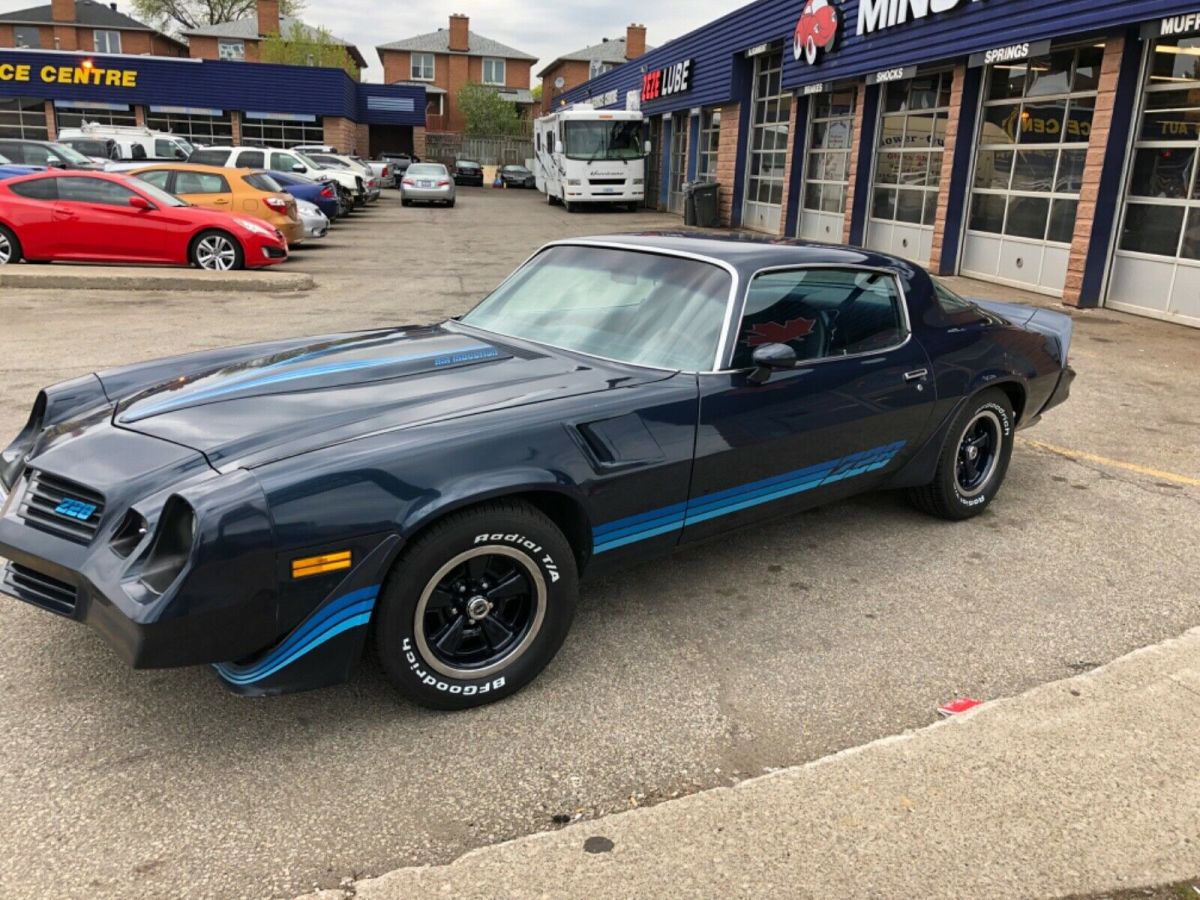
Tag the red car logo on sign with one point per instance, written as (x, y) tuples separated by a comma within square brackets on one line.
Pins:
[(816, 29)]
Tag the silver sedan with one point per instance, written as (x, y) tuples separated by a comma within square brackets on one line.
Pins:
[(316, 224), (427, 183)]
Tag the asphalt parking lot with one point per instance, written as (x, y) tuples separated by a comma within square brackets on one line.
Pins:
[(767, 649)]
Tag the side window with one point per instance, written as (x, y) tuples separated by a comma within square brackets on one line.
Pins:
[(209, 157), (158, 178), (821, 313), (37, 155), (550, 142), (42, 189), (137, 151), (93, 190), (164, 149), (200, 183), (539, 142), (283, 162), (952, 309), (251, 159)]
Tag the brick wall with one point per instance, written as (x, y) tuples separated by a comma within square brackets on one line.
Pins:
[(362, 139), (1110, 70), (860, 110), (574, 72), (945, 178), (51, 122), (340, 133), (204, 47), (236, 120), (727, 151), (787, 165), (418, 139)]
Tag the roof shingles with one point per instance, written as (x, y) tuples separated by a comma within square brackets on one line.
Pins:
[(439, 42)]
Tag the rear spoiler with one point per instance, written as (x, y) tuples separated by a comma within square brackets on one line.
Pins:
[(1053, 324)]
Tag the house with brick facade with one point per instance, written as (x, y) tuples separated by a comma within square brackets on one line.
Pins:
[(241, 39), (572, 69), (84, 25), (445, 60)]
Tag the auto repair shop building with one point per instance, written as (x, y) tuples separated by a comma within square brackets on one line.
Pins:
[(207, 101), (1051, 146)]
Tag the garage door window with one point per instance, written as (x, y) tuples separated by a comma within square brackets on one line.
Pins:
[(275, 132), (198, 127), (912, 137), (826, 175), (23, 117)]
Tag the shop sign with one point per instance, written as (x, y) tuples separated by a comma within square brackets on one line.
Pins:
[(758, 50), (876, 15), (672, 79), (633, 101), (1011, 53), (608, 98), (819, 88), (900, 73), (85, 73), (1172, 26), (817, 30)]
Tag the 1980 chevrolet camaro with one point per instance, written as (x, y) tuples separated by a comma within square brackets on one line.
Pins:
[(441, 489)]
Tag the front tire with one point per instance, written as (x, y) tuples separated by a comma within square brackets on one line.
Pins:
[(973, 461), (217, 251), (477, 606), (10, 247)]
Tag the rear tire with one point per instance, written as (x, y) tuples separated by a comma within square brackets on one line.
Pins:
[(450, 203), (477, 606), (10, 247), (217, 251), (406, 203), (973, 461)]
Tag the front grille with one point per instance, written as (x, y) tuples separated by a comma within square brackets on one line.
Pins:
[(603, 182), (40, 590), (61, 507)]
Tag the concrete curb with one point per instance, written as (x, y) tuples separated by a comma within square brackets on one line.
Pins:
[(123, 278), (1078, 786)]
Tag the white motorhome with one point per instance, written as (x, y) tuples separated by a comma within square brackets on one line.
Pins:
[(588, 155), (132, 143)]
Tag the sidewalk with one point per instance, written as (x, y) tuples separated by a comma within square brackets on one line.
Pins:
[(64, 276), (1076, 787)]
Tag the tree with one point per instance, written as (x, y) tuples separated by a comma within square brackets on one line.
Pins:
[(184, 15), (305, 46), (485, 113)]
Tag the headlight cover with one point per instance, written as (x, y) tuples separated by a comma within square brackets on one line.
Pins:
[(256, 227), (173, 542)]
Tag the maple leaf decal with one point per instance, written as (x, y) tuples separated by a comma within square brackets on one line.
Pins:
[(776, 333)]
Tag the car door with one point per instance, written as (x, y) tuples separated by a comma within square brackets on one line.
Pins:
[(95, 221), (853, 408), (206, 189), (286, 162), (32, 216)]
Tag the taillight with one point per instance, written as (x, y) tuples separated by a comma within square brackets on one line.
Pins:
[(276, 203), (385, 171), (327, 193), (442, 182), (408, 182)]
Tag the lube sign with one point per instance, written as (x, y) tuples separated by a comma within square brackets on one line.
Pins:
[(875, 15), (673, 79)]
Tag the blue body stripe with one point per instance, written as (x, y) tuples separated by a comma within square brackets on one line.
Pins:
[(643, 526), (339, 615)]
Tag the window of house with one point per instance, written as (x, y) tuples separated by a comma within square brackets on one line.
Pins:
[(231, 49), (422, 67), (27, 36), (434, 106), (107, 41), (597, 67), (493, 71), (821, 313)]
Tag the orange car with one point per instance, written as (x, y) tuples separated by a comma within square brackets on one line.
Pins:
[(245, 192)]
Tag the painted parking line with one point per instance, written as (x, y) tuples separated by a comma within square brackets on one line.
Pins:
[(1080, 456)]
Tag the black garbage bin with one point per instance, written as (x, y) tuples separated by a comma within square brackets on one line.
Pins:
[(704, 202), (689, 203)]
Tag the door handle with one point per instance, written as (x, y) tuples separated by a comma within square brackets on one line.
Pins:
[(916, 375)]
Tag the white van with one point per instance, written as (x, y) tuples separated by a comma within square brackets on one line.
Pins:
[(586, 155), (133, 143)]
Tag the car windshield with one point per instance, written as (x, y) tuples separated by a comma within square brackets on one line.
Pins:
[(70, 154), (307, 160), (604, 140), (186, 146), (4, 160), (158, 195), (426, 169), (517, 170), (263, 182), (642, 308)]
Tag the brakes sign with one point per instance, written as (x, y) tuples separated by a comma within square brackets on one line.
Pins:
[(673, 79)]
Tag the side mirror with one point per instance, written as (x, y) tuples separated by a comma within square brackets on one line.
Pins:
[(768, 358), (139, 202), (648, 147), (299, 167), (179, 154), (56, 164)]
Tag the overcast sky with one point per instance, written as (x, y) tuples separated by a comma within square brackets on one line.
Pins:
[(543, 28)]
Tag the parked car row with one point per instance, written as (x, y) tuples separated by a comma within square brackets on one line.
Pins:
[(233, 214)]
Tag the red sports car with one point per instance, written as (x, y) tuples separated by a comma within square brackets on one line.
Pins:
[(816, 29), (102, 217)]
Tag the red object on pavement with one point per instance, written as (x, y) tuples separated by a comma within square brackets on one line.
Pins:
[(958, 705)]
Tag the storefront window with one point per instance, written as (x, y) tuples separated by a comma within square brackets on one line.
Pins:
[(199, 128), (1162, 208), (73, 115), (262, 131), (912, 138), (831, 128), (23, 117), (1037, 119), (710, 141)]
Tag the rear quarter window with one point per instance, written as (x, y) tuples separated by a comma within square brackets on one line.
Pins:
[(209, 157), (41, 189)]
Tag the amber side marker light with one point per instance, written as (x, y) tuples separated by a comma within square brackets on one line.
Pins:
[(317, 565)]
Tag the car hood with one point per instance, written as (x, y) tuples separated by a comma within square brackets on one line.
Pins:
[(272, 405)]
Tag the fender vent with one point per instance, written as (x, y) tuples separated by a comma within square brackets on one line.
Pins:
[(40, 590), (61, 507)]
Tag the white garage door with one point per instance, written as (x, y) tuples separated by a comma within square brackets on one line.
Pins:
[(827, 165)]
